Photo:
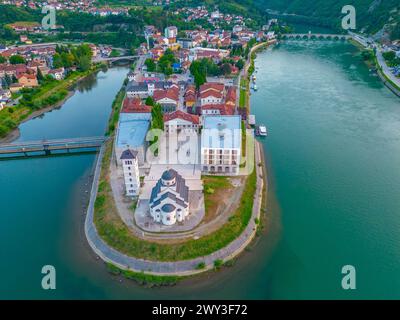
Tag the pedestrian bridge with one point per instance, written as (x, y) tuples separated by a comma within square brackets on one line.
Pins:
[(314, 36), (49, 147), (115, 59)]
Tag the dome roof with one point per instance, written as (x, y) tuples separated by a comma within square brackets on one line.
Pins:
[(168, 208), (168, 175)]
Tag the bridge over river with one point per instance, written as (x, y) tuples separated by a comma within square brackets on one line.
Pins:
[(315, 36), (48, 147)]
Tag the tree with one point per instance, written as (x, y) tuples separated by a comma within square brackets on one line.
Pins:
[(149, 101), (157, 117), (17, 59), (84, 63), (2, 59), (240, 64), (150, 64), (39, 76), (225, 69)]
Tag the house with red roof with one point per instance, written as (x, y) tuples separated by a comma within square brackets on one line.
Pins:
[(168, 99), (179, 121), (220, 109), (211, 93), (135, 105), (27, 80)]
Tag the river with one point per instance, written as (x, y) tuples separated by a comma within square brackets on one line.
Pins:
[(333, 158)]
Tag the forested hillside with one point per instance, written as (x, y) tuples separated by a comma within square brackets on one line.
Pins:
[(372, 15)]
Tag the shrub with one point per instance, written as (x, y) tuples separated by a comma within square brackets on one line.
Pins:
[(218, 263)]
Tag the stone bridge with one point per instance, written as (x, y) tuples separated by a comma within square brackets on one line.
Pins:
[(315, 36)]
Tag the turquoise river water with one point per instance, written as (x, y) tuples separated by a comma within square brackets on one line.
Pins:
[(333, 154)]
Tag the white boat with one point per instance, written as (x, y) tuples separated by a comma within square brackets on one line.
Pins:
[(262, 130), (254, 78), (255, 87)]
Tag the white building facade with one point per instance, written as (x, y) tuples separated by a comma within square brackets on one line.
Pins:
[(130, 168), (169, 201), (221, 139)]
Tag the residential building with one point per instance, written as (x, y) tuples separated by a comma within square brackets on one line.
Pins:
[(5, 95), (135, 105), (221, 139), (168, 99), (27, 80), (57, 74), (179, 121), (211, 93)]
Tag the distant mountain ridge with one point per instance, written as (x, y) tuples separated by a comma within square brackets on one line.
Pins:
[(373, 16)]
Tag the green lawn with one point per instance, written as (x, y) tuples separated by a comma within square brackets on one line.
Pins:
[(116, 233), (244, 84)]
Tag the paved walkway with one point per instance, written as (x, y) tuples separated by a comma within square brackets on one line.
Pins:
[(182, 268)]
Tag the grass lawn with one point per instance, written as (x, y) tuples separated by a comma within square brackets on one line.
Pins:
[(115, 233), (243, 92), (214, 189)]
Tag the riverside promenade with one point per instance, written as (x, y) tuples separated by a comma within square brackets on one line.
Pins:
[(176, 268)]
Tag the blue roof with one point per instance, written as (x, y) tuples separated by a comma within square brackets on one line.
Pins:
[(221, 132), (132, 133), (123, 117)]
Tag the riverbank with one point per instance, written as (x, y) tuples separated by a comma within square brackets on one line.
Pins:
[(25, 114), (174, 268), (15, 133), (379, 63)]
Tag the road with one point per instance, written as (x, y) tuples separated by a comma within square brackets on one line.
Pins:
[(385, 68), (177, 268), (367, 43)]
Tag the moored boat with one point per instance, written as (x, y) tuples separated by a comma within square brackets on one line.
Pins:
[(261, 131)]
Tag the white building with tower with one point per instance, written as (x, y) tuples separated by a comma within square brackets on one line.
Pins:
[(169, 201), (130, 168)]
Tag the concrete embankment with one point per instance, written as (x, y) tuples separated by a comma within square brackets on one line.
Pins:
[(176, 268)]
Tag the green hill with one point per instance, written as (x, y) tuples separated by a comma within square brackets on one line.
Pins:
[(372, 15)]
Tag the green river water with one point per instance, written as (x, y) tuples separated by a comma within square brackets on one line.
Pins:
[(333, 154)]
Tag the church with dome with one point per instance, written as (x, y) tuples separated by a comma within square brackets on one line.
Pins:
[(169, 201)]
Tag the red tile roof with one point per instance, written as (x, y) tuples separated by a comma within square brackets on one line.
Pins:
[(135, 105), (211, 93), (181, 115), (225, 110), (171, 93), (212, 86)]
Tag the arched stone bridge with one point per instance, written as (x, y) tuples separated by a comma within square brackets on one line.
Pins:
[(314, 36)]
